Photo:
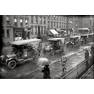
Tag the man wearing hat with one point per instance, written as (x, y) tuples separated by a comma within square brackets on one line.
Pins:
[(43, 61), (46, 72)]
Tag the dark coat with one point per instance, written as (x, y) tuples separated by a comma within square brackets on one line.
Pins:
[(46, 72)]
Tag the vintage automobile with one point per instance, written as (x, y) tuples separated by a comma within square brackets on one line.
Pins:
[(73, 42), (54, 46), (84, 39), (22, 51), (91, 37)]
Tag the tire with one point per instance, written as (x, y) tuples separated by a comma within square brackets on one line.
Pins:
[(11, 64)]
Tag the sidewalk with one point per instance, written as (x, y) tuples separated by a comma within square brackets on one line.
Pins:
[(56, 68)]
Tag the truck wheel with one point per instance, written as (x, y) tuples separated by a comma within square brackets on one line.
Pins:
[(11, 64)]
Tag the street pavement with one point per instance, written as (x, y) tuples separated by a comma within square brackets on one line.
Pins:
[(56, 68), (32, 70)]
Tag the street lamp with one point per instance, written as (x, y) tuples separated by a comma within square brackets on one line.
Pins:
[(26, 21), (21, 20), (15, 20)]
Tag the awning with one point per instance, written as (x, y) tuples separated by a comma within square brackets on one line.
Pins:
[(56, 39), (23, 42), (53, 31), (83, 29), (76, 36)]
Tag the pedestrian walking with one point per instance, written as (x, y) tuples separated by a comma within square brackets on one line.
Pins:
[(46, 72), (87, 58), (40, 48), (63, 63)]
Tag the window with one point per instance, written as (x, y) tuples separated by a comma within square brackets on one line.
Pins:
[(21, 22), (32, 19), (8, 35), (31, 30), (62, 25), (44, 20), (48, 24), (40, 19), (45, 30), (35, 29), (28, 35), (7, 20), (15, 21), (41, 30), (51, 24), (57, 24), (26, 21), (37, 19)]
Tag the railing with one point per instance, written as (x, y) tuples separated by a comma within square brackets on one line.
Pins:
[(76, 72), (86, 73)]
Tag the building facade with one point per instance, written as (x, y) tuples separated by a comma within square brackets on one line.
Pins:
[(30, 26), (23, 26), (57, 22)]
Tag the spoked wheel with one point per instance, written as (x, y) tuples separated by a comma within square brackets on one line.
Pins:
[(11, 64)]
